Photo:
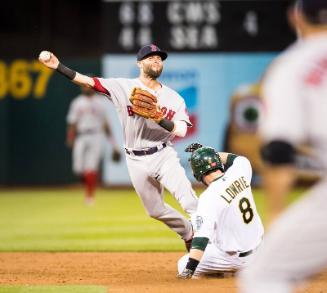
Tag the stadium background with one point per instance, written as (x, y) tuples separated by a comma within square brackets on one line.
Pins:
[(214, 47), (218, 51)]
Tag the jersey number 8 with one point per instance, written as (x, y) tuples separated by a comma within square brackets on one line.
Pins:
[(246, 210)]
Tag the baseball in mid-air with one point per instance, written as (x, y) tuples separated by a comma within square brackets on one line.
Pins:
[(45, 56)]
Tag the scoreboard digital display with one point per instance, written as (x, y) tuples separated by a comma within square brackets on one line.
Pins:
[(235, 26)]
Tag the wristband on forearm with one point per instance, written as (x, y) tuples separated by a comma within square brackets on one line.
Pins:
[(167, 124), (192, 264), (65, 71)]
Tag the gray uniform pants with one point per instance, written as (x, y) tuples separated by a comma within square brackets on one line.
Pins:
[(294, 249), (150, 174), (87, 152)]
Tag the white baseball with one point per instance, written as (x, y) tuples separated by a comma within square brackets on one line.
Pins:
[(45, 55)]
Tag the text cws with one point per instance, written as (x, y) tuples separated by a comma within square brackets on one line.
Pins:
[(191, 25), (234, 189), (22, 78), (168, 114)]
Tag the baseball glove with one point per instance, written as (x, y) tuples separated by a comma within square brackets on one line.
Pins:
[(145, 105), (116, 156)]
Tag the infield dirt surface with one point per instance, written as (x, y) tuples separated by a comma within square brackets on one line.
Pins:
[(119, 272)]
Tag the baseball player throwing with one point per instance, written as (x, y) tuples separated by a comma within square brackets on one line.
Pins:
[(87, 125), (295, 96), (228, 229), (151, 114)]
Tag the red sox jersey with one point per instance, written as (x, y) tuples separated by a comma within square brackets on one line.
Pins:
[(142, 133), (295, 97), (87, 113), (227, 212), (295, 101)]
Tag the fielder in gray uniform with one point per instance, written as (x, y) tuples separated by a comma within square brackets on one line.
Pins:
[(295, 97), (87, 127), (228, 229), (151, 160)]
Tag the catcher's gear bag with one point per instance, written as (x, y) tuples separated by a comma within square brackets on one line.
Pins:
[(145, 104), (116, 156)]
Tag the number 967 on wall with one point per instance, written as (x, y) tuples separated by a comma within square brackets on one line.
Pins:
[(23, 78)]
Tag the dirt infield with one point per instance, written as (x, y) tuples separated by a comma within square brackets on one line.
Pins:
[(120, 272)]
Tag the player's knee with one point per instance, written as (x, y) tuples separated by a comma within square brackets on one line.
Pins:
[(189, 204), (187, 198), (157, 214)]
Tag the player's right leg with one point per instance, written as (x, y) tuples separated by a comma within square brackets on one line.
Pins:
[(78, 159), (292, 251)]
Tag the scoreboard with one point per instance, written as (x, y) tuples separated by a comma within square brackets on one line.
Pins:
[(231, 25)]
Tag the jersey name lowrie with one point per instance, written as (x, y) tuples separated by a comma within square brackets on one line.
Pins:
[(234, 189)]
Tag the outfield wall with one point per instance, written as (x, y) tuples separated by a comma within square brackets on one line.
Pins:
[(33, 106)]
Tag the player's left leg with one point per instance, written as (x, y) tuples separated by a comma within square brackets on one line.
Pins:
[(173, 177), (78, 155)]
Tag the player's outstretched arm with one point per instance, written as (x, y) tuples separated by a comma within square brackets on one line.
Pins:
[(51, 61), (199, 245)]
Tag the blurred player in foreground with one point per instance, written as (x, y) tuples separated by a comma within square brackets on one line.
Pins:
[(151, 115), (88, 124), (295, 97), (228, 229)]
